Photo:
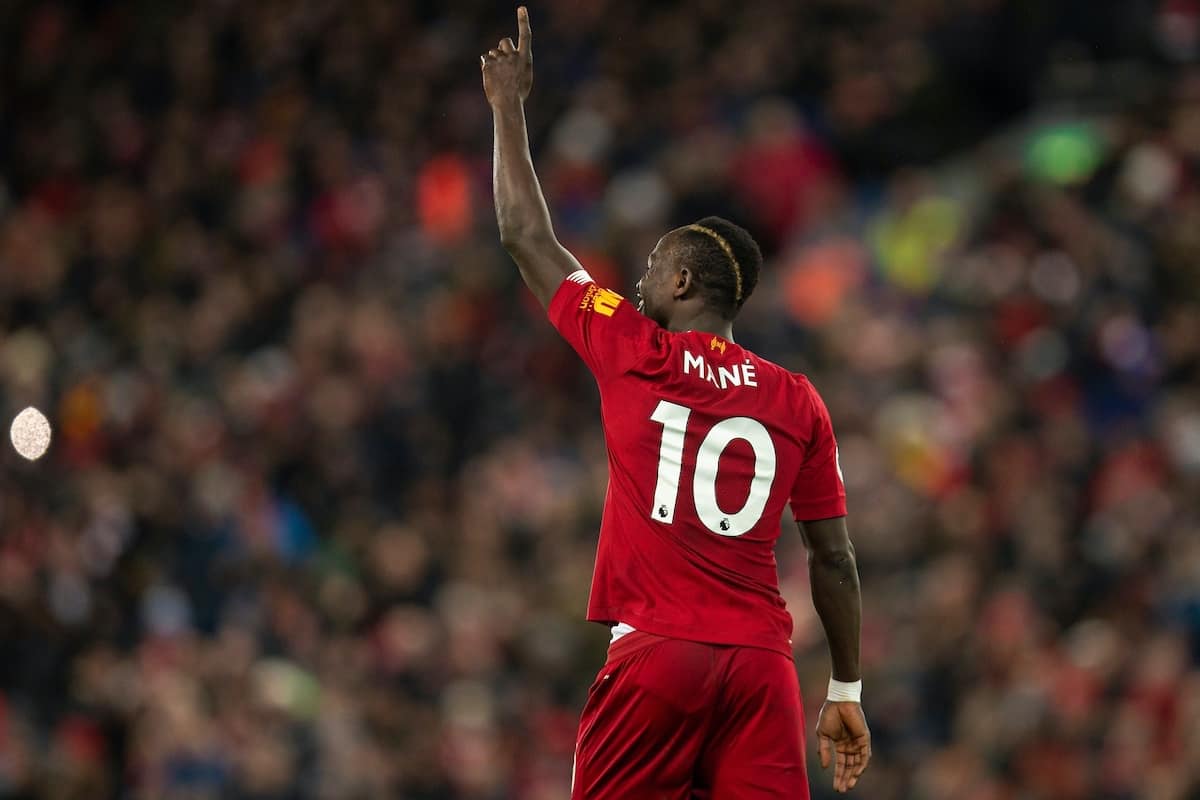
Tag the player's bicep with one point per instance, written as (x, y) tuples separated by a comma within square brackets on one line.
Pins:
[(825, 536), (543, 263)]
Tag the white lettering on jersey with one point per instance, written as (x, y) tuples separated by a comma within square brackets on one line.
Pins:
[(743, 374)]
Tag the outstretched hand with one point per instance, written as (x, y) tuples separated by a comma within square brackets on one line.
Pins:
[(844, 739), (508, 70)]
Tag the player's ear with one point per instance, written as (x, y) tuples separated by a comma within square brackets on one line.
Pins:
[(683, 283)]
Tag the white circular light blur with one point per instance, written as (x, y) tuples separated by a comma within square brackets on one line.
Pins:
[(30, 433)]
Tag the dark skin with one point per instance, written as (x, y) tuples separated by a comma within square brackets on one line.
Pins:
[(842, 733), (668, 294)]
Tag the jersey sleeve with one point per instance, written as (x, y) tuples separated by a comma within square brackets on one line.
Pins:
[(610, 335), (819, 492)]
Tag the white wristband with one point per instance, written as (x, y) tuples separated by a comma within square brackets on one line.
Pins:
[(845, 692)]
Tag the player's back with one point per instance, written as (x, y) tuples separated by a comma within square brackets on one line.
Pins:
[(707, 444)]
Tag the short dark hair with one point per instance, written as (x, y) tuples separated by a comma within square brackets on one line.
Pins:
[(725, 260)]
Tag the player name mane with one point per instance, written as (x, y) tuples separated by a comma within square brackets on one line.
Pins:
[(743, 374)]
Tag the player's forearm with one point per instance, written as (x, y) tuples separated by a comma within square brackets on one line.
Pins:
[(521, 210), (833, 574)]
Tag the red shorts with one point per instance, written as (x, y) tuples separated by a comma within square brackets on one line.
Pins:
[(669, 719)]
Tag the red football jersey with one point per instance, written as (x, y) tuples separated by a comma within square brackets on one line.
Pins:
[(707, 443)]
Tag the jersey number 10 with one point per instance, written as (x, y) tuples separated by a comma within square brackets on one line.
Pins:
[(674, 419)]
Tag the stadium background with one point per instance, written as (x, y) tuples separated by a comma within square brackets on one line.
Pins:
[(319, 517)]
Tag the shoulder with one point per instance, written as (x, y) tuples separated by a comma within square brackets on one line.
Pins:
[(785, 378), (607, 330), (796, 389), (806, 389)]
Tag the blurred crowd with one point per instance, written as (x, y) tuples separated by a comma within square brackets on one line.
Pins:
[(319, 517)]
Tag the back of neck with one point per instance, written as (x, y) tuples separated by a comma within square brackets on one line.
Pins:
[(704, 323)]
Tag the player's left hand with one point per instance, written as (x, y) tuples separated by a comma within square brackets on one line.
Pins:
[(844, 738), (508, 70)]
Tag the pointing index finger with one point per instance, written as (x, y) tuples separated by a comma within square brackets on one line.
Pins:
[(524, 35)]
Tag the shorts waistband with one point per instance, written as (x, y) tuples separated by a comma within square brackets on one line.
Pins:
[(631, 643)]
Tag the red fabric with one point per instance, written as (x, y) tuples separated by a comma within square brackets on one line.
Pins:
[(776, 181), (681, 571), (668, 718)]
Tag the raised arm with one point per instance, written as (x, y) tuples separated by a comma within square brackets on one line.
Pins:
[(842, 732), (521, 212)]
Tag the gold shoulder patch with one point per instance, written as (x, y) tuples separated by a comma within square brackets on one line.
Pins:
[(606, 301), (602, 301), (588, 294)]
